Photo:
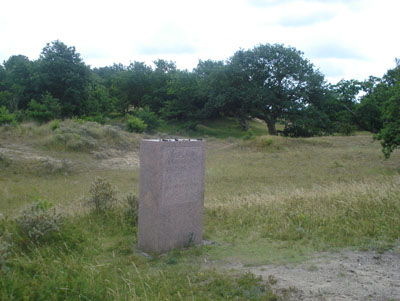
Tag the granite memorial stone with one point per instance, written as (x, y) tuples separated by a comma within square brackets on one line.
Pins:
[(171, 193)]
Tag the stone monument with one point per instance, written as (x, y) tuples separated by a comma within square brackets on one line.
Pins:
[(171, 193)]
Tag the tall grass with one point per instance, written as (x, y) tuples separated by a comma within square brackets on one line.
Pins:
[(94, 259), (267, 200), (351, 214)]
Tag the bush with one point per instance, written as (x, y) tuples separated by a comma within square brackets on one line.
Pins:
[(346, 129), (149, 117), (249, 135), (135, 124), (190, 126), (6, 117), (38, 221), (102, 195), (45, 110), (55, 124)]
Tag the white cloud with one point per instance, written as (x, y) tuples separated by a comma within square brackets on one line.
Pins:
[(356, 37)]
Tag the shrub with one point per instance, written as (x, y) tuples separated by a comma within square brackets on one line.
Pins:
[(149, 117), (346, 129), (45, 110), (135, 124), (249, 135), (190, 126), (39, 221), (102, 195), (55, 124), (6, 117), (133, 208)]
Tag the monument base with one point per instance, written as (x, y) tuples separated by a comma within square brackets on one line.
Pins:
[(171, 193)]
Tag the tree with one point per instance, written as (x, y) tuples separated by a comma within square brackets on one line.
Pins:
[(282, 82), (64, 75), (99, 102), (213, 81), (18, 79), (390, 133), (225, 89), (157, 96), (130, 86), (184, 103)]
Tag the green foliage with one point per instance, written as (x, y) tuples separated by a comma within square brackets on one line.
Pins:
[(135, 124), (47, 109), (6, 246), (390, 133), (249, 135), (184, 103), (285, 83), (190, 125), (148, 117), (55, 124), (58, 65), (6, 100), (308, 122), (101, 119), (38, 221), (130, 85), (20, 82), (6, 117), (133, 208), (369, 114), (102, 195), (99, 102)]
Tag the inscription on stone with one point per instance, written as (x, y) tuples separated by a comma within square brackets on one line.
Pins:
[(181, 174)]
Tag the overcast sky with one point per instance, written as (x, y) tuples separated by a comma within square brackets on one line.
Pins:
[(343, 38)]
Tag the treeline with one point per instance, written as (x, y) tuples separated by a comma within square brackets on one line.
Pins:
[(274, 83)]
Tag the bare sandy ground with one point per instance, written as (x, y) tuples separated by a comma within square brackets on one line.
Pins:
[(346, 275)]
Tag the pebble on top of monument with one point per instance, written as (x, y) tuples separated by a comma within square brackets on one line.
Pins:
[(171, 193)]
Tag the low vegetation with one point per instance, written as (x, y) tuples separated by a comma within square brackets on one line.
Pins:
[(268, 199)]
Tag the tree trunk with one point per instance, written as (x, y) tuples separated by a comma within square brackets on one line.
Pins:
[(244, 123), (271, 127)]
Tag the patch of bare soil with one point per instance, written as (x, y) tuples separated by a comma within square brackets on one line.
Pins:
[(348, 275)]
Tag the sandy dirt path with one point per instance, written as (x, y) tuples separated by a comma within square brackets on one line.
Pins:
[(345, 275)]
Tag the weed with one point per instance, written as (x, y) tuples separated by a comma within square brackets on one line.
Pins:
[(102, 195), (173, 257), (38, 221), (133, 208), (5, 250), (272, 279)]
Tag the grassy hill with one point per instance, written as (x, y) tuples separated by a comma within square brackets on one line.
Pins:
[(267, 200)]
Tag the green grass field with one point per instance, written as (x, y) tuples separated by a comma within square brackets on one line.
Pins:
[(267, 200)]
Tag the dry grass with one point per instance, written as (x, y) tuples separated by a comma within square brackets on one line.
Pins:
[(267, 200)]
